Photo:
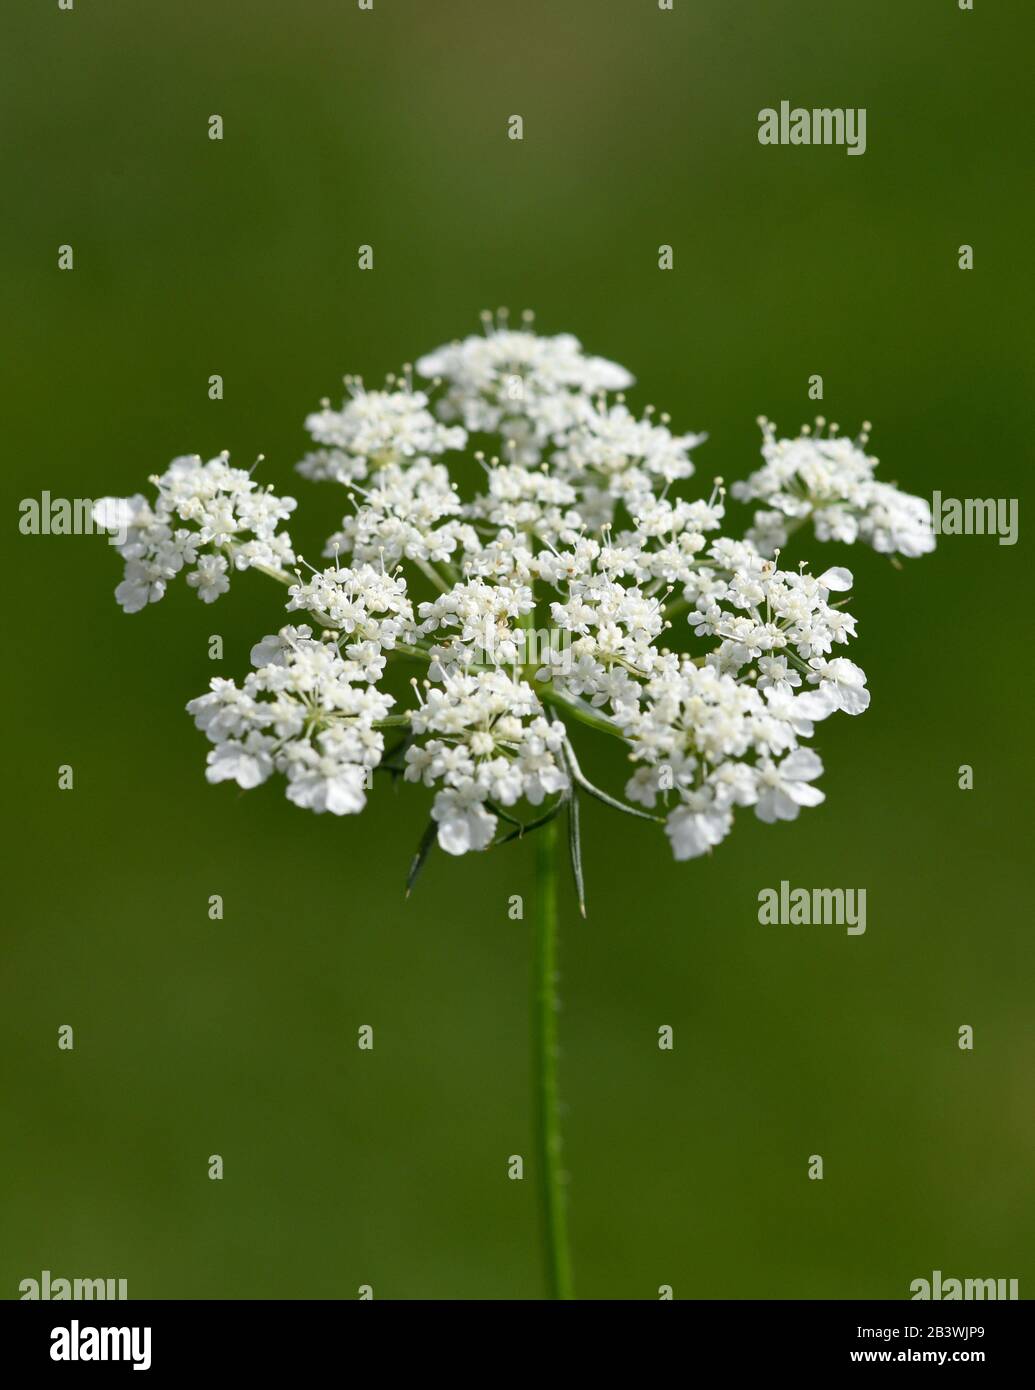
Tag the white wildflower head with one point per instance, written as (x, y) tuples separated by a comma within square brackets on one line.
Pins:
[(515, 382), (374, 428), (829, 480), (578, 586), (208, 519), (306, 712), (485, 739)]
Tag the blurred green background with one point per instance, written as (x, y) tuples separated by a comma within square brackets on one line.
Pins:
[(238, 1037)]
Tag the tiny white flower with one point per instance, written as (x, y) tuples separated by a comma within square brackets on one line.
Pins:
[(842, 682), (783, 788), (463, 822), (697, 826), (322, 783), (247, 764), (210, 577)]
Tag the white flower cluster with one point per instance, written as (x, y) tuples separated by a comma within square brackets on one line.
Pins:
[(368, 609), (490, 744), (515, 383), (304, 712), (207, 515), (703, 655), (830, 480), (726, 731), (371, 429)]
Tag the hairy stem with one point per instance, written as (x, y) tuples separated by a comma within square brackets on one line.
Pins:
[(545, 1003)]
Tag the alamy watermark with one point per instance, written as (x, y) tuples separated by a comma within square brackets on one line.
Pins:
[(938, 1287), (47, 1287), (801, 125), (975, 516), (79, 1343), (47, 515), (549, 648), (796, 907)]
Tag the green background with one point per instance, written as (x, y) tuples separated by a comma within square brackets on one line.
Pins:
[(238, 1037)]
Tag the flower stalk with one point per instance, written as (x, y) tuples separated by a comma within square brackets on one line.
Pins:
[(545, 1006)]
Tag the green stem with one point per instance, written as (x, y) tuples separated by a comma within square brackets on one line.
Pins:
[(545, 1004), (586, 716), (406, 649), (281, 576), (430, 572)]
